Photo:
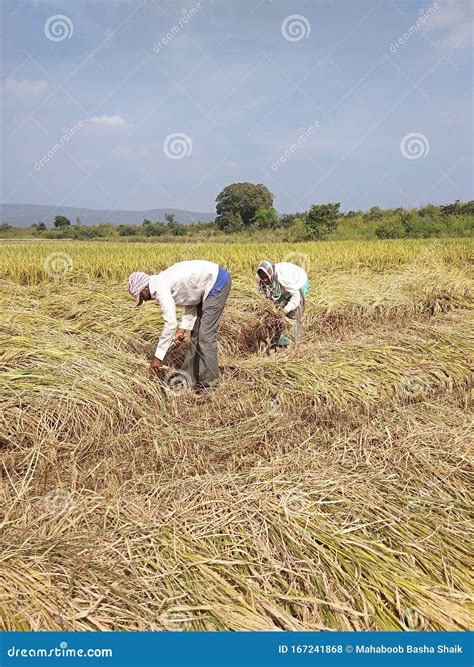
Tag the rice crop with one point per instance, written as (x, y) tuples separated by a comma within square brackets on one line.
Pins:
[(323, 487), (27, 263)]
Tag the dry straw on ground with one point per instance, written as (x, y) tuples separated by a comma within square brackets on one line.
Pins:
[(322, 488)]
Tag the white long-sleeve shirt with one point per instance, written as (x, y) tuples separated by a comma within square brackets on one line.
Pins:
[(182, 284), (291, 278)]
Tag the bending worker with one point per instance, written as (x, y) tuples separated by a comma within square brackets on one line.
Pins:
[(286, 285), (202, 288)]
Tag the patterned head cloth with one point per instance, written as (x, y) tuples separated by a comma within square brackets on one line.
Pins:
[(273, 289), (136, 282)]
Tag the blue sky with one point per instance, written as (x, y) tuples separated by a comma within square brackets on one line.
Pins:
[(363, 101)]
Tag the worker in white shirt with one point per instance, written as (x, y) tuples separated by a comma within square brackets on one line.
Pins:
[(287, 286), (202, 288)]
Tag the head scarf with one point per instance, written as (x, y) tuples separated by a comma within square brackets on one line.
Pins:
[(136, 282), (273, 290)]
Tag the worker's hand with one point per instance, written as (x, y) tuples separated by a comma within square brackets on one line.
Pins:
[(155, 365), (179, 337)]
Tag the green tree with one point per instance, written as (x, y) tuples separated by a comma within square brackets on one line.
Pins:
[(61, 222), (80, 232), (230, 222), (452, 209), (127, 230), (321, 220), (266, 218), (468, 208), (392, 229), (106, 229), (289, 219), (244, 199), (417, 226), (170, 218), (429, 211), (300, 230), (374, 213), (154, 228), (177, 229)]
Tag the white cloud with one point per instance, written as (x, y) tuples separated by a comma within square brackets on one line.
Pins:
[(109, 121), (454, 18), (25, 91)]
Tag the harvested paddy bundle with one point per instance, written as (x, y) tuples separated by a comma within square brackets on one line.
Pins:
[(348, 299), (256, 327)]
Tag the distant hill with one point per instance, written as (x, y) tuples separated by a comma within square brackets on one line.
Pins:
[(24, 215)]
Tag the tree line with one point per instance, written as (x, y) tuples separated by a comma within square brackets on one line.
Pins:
[(244, 208)]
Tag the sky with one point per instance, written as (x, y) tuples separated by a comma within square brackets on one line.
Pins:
[(141, 104)]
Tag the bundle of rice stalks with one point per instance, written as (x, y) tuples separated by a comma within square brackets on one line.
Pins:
[(407, 365), (339, 302)]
